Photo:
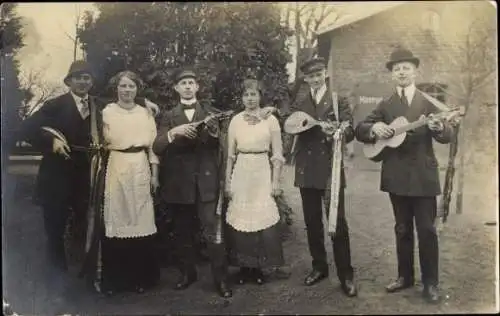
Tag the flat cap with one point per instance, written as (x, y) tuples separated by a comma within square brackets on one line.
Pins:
[(184, 73), (313, 64)]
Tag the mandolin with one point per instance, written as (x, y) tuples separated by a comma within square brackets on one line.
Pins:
[(299, 122), (401, 126), (218, 115)]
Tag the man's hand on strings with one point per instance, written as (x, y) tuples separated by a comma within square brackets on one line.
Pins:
[(382, 130), (184, 130), (329, 128)]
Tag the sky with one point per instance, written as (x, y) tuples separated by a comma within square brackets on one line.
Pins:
[(47, 47)]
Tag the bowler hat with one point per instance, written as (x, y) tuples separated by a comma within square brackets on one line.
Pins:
[(184, 73), (78, 66), (401, 55), (313, 64)]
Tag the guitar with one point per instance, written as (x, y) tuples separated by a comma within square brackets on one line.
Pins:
[(401, 126)]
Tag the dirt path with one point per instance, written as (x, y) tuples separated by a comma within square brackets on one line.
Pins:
[(467, 265)]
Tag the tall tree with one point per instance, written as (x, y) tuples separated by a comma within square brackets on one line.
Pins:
[(11, 41), (74, 38), (474, 55), (219, 39), (305, 19), (35, 90)]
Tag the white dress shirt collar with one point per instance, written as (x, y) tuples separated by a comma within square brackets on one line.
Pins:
[(189, 102), (189, 112), (319, 95), (409, 92)]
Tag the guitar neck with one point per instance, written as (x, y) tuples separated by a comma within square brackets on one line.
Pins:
[(410, 126)]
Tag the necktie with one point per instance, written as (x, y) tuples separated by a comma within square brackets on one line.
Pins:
[(315, 95), (188, 106), (85, 108), (404, 100)]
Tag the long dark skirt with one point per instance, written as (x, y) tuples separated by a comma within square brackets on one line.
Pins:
[(262, 249), (129, 263)]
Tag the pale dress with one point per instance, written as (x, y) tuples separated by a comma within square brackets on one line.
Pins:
[(128, 204), (252, 208)]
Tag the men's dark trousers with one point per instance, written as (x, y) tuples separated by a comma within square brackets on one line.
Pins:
[(187, 216), (423, 209), (313, 215), (55, 219), (56, 214)]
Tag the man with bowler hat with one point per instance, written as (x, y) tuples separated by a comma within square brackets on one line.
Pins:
[(189, 180), (409, 172), (313, 166), (63, 183)]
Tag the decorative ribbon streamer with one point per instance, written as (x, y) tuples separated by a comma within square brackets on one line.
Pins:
[(440, 105), (338, 143)]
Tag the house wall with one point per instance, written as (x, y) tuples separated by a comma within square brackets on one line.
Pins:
[(360, 50)]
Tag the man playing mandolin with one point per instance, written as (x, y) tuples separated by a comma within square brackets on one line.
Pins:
[(189, 179), (409, 171), (313, 169)]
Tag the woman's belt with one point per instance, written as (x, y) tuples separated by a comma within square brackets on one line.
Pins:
[(252, 152), (134, 149)]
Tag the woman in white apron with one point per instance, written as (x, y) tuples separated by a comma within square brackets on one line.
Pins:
[(128, 261), (254, 164)]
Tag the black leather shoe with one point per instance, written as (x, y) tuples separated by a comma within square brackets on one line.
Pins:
[(186, 280), (349, 288), (258, 276), (223, 290), (431, 294), (314, 277), (140, 289), (398, 285), (243, 276)]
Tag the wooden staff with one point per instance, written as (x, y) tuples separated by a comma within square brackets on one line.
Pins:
[(222, 168)]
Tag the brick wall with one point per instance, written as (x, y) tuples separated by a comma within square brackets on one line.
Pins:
[(361, 49)]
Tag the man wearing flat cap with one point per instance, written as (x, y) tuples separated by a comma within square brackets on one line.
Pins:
[(189, 180), (63, 183), (409, 172), (313, 166)]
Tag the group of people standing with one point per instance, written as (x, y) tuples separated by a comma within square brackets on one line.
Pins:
[(104, 160)]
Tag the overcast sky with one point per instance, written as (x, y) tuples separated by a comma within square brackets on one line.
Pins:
[(46, 45)]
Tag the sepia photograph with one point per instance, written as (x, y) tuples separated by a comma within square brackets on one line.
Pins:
[(250, 158)]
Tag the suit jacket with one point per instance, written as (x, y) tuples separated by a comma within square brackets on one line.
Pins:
[(61, 181), (412, 168), (187, 167), (313, 160), (59, 178)]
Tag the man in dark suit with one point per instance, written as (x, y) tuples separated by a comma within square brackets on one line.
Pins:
[(189, 181), (313, 166), (63, 182), (410, 172)]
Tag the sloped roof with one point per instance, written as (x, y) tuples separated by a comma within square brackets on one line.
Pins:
[(357, 11)]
